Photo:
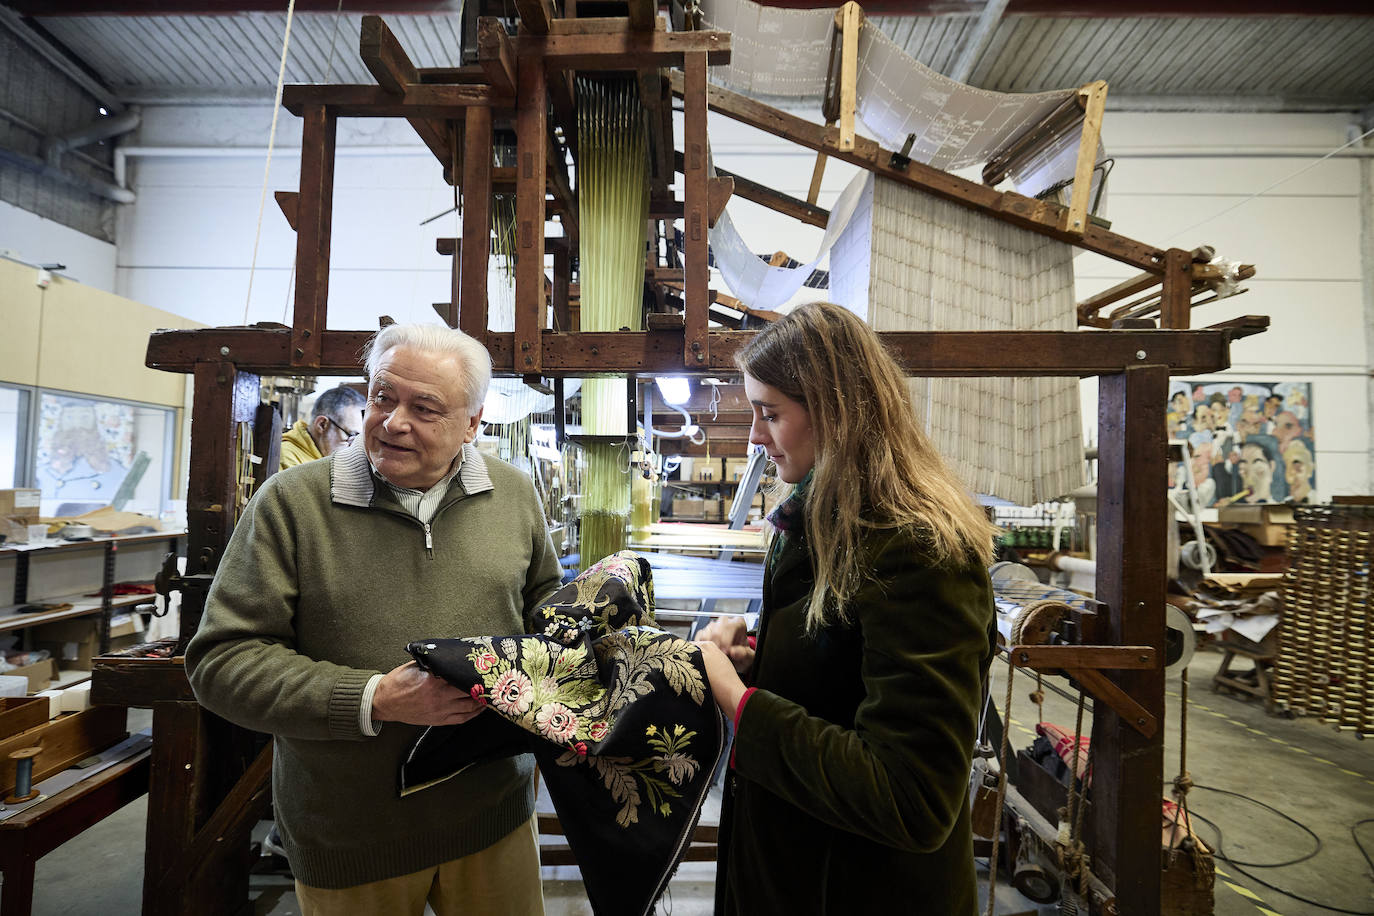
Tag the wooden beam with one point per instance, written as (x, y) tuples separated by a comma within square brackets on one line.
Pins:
[(531, 129), (718, 191), (697, 277), (1176, 297), (496, 54), (562, 281), (1094, 103), (774, 200), (315, 206), (560, 186), (1038, 216), (626, 50), (849, 19), (643, 14), (1088, 308), (813, 193), (1022, 354), (536, 16), (288, 202), (470, 291), (418, 101), (390, 66), (384, 57), (1132, 515)]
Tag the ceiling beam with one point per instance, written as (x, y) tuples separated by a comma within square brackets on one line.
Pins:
[(51, 50), (222, 7), (1096, 9), (542, 11), (977, 41)]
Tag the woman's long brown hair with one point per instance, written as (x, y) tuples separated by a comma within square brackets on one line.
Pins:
[(875, 467)]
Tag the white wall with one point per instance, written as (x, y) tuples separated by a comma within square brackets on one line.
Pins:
[(186, 245), (25, 236), (1303, 235)]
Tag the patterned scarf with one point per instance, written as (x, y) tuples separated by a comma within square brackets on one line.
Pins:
[(617, 713), (788, 517)]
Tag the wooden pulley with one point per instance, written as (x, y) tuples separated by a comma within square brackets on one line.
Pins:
[(1036, 622)]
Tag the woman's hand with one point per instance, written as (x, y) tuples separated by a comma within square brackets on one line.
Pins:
[(726, 686), (731, 636)]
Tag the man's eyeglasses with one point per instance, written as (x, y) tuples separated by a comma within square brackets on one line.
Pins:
[(348, 434)]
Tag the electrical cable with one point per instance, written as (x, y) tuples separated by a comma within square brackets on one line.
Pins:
[(1311, 165), (1240, 865)]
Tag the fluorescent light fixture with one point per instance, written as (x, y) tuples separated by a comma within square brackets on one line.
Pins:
[(675, 388)]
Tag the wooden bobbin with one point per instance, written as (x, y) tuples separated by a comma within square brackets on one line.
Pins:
[(23, 775)]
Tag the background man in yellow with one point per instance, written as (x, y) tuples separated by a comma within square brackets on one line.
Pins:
[(338, 418)]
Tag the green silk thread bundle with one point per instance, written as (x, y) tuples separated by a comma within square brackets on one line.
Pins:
[(613, 211)]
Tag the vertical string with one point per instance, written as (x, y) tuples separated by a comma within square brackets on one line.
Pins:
[(271, 143)]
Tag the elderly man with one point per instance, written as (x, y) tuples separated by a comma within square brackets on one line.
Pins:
[(338, 416), (407, 533)]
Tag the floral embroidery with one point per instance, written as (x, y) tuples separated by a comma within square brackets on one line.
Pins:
[(569, 687), (513, 693), (556, 722)]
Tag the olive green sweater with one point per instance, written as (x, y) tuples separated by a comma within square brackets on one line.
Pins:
[(323, 584)]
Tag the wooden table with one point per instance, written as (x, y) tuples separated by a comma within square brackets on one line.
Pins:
[(41, 828)]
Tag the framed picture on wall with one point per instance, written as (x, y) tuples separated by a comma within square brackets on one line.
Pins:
[(1248, 442), (94, 452)]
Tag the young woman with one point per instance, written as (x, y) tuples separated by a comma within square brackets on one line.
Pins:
[(848, 791)]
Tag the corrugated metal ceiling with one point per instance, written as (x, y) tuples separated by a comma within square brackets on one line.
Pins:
[(1280, 61)]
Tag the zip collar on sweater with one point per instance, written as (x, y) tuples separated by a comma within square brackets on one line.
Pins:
[(351, 482)]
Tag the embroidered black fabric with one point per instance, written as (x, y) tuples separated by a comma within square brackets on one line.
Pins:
[(617, 713)]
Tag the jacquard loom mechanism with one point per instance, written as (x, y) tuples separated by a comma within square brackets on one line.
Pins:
[(1055, 631)]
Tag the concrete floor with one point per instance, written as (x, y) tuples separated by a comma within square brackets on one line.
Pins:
[(1321, 778)]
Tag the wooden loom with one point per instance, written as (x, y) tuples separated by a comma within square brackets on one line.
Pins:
[(208, 784)]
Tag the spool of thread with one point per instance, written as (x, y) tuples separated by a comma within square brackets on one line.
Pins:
[(23, 775)]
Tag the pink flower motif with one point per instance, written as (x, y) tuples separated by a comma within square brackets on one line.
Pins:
[(513, 693), (477, 691), (556, 722), (484, 662), (581, 749), (598, 730)]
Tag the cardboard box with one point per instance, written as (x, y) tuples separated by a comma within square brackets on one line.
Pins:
[(706, 470), (72, 643), (125, 631), (1267, 523), (40, 674), (1259, 514), (20, 501), (734, 468), (23, 529), (689, 507)]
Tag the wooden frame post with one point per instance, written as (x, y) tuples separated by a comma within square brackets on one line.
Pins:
[(531, 139), (849, 19), (1175, 302), (1094, 99), (1131, 522), (314, 212), (475, 249), (696, 280)]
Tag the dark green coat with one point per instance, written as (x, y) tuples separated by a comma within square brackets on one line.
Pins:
[(849, 793)]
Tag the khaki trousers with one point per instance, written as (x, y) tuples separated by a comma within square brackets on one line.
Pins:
[(501, 880)]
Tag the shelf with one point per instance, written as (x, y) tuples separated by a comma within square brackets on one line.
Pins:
[(16, 549), (686, 484)]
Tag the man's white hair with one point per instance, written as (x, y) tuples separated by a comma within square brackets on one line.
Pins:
[(442, 341)]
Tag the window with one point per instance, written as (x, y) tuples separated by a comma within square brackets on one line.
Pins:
[(14, 435)]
